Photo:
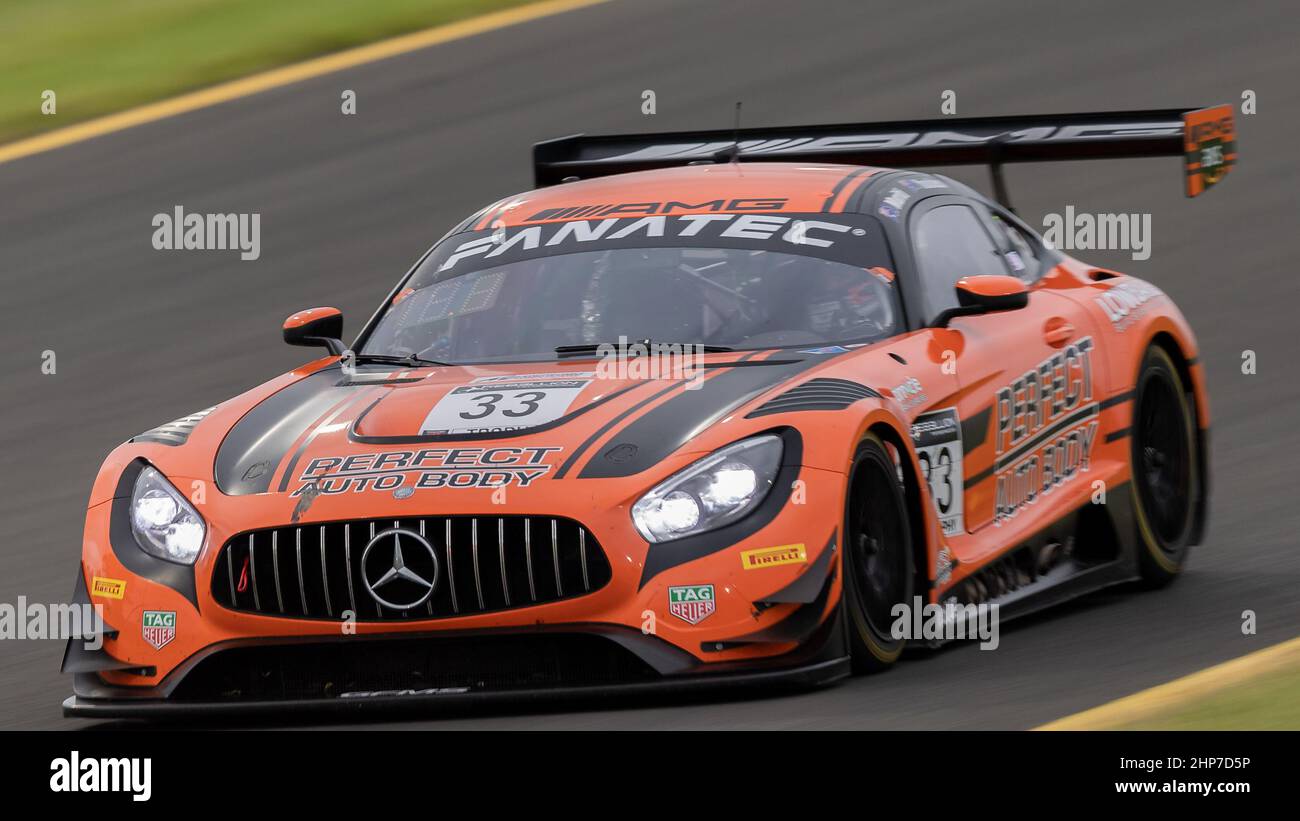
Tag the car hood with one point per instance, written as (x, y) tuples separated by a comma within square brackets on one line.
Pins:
[(524, 416)]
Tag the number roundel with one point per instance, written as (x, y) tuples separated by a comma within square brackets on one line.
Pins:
[(504, 403), (937, 437)]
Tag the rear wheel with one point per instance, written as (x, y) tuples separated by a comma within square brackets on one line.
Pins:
[(878, 571), (1166, 480)]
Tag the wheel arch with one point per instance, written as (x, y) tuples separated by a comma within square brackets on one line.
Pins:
[(924, 546), (1184, 361)]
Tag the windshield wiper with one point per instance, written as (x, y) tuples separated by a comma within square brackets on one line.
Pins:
[(594, 347), (410, 360)]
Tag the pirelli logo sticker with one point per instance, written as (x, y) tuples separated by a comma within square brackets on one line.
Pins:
[(773, 556), (106, 588)]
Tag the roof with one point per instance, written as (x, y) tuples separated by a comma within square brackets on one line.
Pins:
[(800, 187)]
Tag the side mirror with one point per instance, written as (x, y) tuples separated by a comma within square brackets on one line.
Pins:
[(985, 294), (316, 327)]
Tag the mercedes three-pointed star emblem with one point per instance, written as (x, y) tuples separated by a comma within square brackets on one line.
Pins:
[(405, 585)]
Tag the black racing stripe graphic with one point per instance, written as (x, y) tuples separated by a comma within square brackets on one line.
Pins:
[(668, 426), (605, 428), (259, 441), (839, 187), (1011, 456), (1025, 447), (1116, 435), (975, 430), (1117, 399), (977, 478), (311, 437), (854, 201), (1191, 363)]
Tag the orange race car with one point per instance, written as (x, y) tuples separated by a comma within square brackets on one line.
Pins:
[(703, 409)]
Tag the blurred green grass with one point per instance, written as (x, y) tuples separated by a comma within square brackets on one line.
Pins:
[(1270, 701), (102, 56)]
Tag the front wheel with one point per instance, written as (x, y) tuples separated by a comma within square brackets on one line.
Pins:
[(878, 571), (1166, 478)]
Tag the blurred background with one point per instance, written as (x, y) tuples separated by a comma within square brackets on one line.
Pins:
[(349, 201)]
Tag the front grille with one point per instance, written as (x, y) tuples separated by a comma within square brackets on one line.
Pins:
[(487, 662), (483, 564)]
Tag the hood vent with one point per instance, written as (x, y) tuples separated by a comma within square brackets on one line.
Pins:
[(174, 433), (815, 395)]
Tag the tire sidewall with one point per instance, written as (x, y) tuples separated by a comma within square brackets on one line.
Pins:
[(872, 648), (1161, 562)]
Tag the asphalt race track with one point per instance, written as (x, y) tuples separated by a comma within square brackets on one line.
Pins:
[(347, 203)]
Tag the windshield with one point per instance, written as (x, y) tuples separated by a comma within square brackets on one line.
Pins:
[(784, 283)]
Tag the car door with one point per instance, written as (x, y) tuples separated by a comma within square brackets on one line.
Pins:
[(1027, 378)]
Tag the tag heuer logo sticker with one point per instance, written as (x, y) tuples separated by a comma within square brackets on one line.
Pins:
[(692, 603), (158, 627)]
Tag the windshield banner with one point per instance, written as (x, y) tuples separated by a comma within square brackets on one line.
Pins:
[(854, 239)]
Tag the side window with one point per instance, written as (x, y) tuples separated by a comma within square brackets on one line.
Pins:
[(951, 243), (1018, 250)]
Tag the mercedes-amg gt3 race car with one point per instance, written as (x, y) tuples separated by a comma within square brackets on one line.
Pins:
[(884, 388)]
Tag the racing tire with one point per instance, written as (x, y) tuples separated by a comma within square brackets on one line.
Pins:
[(1166, 477), (877, 558)]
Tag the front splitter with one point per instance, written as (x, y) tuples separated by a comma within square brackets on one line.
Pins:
[(808, 675)]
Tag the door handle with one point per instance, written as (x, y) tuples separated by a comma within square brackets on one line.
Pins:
[(1057, 332)]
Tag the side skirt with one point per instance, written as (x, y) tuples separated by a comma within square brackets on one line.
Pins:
[(1091, 548)]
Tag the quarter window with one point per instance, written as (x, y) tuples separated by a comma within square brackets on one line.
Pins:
[(1018, 251), (950, 243)]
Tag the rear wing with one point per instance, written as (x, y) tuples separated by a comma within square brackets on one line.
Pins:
[(1205, 138)]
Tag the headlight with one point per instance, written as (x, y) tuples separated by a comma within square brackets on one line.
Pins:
[(164, 522), (715, 491)]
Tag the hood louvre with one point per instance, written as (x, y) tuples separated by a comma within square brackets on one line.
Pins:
[(815, 395)]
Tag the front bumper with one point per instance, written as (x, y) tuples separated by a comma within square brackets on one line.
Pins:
[(288, 679), (760, 627)]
